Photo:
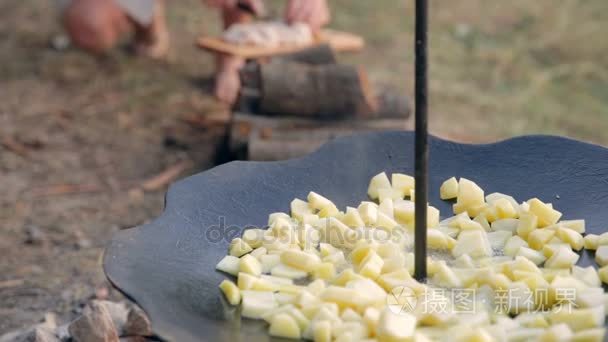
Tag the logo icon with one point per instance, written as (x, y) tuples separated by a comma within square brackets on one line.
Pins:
[(401, 299)]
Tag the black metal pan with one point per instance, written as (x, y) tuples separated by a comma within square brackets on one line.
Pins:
[(168, 265)]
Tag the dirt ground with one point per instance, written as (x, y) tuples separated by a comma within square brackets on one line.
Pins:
[(104, 125)]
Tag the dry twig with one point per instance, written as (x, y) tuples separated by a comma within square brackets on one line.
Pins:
[(165, 177), (15, 146)]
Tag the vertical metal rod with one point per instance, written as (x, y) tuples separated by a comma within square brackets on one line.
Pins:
[(422, 152)]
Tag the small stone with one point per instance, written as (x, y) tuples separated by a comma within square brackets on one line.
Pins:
[(62, 332), (34, 235), (136, 196), (138, 323), (81, 241), (119, 313), (50, 320), (95, 325), (60, 42), (102, 292), (41, 334)]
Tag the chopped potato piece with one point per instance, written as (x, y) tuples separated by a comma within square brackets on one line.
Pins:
[(379, 181), (322, 331), (499, 239), (404, 211), (445, 276), (250, 264), (274, 216), (258, 252), (229, 264), (402, 182), (389, 194), (300, 260), (299, 208), (579, 319), (395, 327), (371, 266), (368, 212), (232, 293), (436, 239), (472, 242), (603, 239), (350, 315), (254, 237), (282, 270), (564, 257), (342, 296), (576, 225), (589, 335), (246, 281), (527, 224), (284, 325), (257, 303), (495, 196), (506, 224), (387, 207), (539, 237), (471, 225), (601, 255), (449, 189), (238, 247), (469, 194), (325, 270), (504, 209), (385, 222), (550, 248), (571, 237), (346, 276), (352, 218), (558, 332), (545, 213), (591, 241), (338, 234), (432, 217), (603, 273), (532, 255), (269, 261), (318, 202), (394, 263), (483, 221)]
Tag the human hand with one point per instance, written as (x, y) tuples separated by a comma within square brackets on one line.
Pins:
[(256, 6), (315, 13)]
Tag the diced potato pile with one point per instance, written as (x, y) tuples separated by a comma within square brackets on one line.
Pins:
[(324, 274)]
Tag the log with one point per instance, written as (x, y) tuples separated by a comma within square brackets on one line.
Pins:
[(316, 55), (254, 137), (331, 90), (270, 150), (275, 92)]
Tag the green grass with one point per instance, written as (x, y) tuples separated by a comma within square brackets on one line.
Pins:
[(497, 69)]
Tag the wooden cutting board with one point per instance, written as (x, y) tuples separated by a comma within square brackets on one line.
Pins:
[(338, 40)]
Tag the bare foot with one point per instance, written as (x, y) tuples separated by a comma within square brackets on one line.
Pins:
[(153, 41), (158, 48)]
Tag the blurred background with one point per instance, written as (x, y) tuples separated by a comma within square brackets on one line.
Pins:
[(89, 143)]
